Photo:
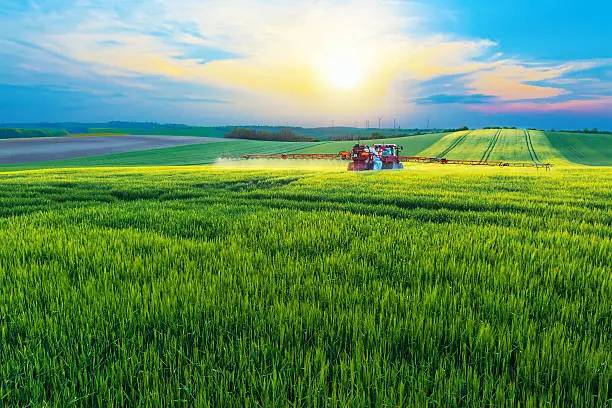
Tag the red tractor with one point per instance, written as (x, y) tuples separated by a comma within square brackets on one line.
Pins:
[(375, 157)]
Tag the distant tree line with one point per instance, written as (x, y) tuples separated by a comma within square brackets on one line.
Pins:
[(593, 131), (146, 125), (282, 135), (453, 130), (378, 135), (373, 136), (349, 137), (6, 133), (420, 131)]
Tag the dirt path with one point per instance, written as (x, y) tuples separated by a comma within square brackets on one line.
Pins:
[(14, 151)]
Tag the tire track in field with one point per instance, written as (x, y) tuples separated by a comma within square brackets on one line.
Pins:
[(454, 144), (487, 154), (530, 149)]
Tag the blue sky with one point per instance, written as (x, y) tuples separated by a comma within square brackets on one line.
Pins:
[(538, 63)]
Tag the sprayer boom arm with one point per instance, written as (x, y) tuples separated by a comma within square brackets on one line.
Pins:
[(348, 156)]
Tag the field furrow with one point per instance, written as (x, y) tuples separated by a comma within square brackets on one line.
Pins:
[(456, 142), (472, 145), (507, 145), (532, 153), (487, 154), (588, 149)]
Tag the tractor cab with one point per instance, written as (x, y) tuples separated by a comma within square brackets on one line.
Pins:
[(388, 149), (376, 157)]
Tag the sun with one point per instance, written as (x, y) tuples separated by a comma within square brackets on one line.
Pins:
[(343, 71), (344, 76)]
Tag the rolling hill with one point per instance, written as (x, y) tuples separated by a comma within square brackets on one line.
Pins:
[(413, 145), (515, 145), (588, 149)]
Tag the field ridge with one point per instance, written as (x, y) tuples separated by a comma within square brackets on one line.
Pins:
[(456, 142), (530, 148), (487, 154)]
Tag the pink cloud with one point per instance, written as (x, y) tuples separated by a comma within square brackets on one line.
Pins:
[(599, 105), (512, 80)]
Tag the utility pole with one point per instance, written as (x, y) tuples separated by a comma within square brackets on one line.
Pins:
[(379, 122), (394, 123)]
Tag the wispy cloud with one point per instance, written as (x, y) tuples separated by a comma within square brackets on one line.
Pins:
[(443, 99), (188, 99), (593, 106), (110, 43), (513, 80), (286, 57)]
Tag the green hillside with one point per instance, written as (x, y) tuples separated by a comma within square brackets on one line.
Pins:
[(217, 132), (206, 153), (323, 133), (516, 145), (544, 149), (589, 149), (413, 145), (13, 133)]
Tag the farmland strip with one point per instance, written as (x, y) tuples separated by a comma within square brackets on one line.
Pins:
[(487, 154), (454, 144), (530, 149)]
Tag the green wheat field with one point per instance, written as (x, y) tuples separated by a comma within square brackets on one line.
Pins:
[(129, 282)]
